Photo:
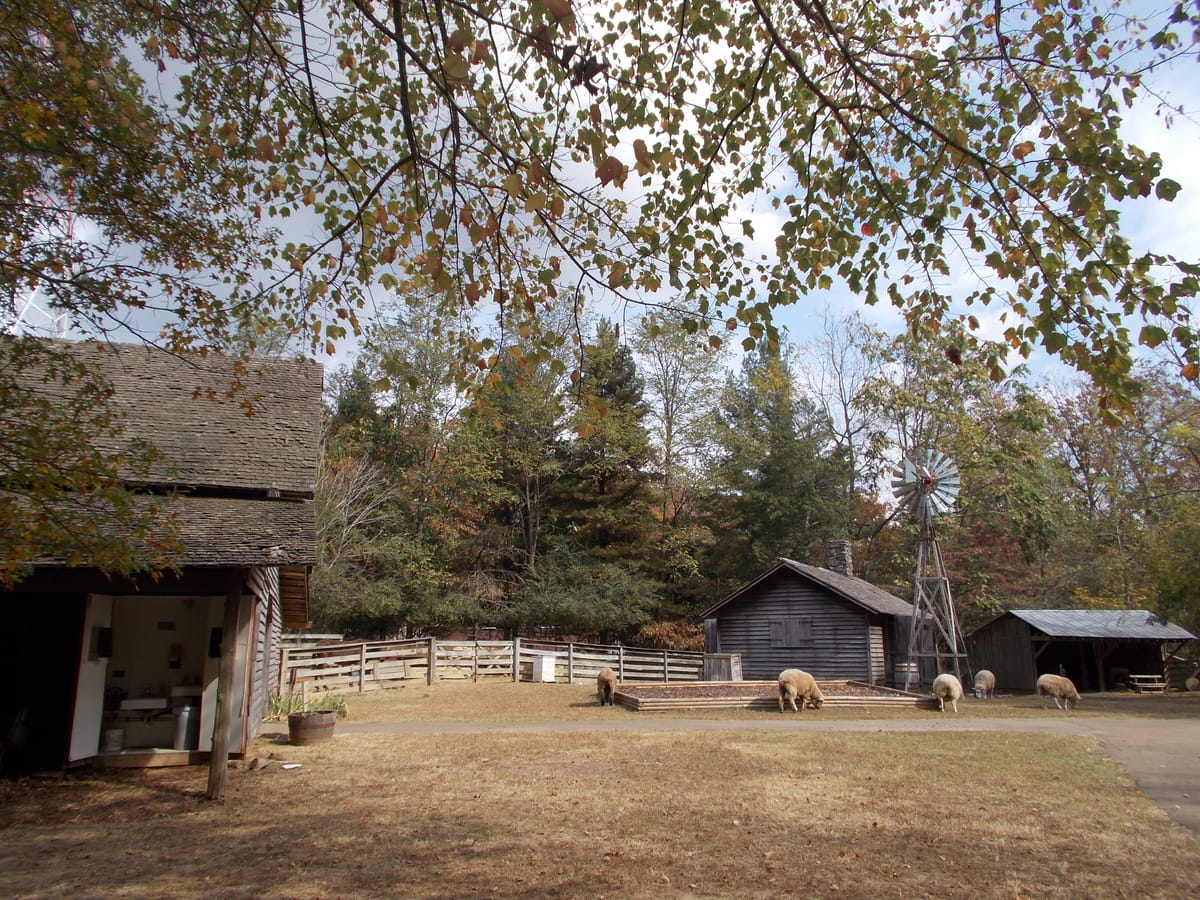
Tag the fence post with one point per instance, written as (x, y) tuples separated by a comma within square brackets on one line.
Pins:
[(362, 664), (620, 662), (432, 675), (516, 659), (666, 668), (571, 662), (475, 662)]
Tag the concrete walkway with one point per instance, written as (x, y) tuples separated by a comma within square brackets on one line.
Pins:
[(1162, 755)]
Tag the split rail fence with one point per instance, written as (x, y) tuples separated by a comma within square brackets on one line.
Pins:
[(359, 666)]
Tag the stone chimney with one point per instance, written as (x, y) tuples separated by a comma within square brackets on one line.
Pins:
[(838, 557)]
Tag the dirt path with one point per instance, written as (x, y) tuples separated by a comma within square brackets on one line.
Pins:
[(1162, 755)]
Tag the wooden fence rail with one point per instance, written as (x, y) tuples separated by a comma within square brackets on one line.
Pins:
[(358, 666)]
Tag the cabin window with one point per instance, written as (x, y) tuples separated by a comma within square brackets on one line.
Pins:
[(791, 631)]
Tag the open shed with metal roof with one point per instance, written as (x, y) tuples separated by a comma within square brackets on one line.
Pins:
[(1098, 649)]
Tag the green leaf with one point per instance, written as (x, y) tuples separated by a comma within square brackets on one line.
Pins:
[(1166, 189), (1152, 336)]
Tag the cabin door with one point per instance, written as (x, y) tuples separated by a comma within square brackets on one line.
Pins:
[(95, 649)]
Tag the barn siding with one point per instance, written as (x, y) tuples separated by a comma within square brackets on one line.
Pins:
[(264, 678), (839, 647), (1004, 647)]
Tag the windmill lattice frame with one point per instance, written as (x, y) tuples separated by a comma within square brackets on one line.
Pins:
[(927, 484)]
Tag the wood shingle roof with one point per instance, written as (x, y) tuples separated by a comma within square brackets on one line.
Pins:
[(221, 424), (237, 444), (849, 587)]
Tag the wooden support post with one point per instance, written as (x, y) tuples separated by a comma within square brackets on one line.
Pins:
[(571, 662), (516, 659), (666, 668), (283, 666), (475, 661), (362, 665), (620, 662), (431, 676), (218, 764)]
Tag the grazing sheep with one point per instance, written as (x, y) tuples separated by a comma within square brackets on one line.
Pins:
[(1060, 688), (985, 684), (947, 687), (792, 684), (1193, 682), (606, 685)]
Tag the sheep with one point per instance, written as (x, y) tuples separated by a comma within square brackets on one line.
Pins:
[(947, 687), (606, 685), (794, 683), (1193, 682), (1060, 688), (985, 684)]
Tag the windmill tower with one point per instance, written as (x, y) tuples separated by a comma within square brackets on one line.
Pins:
[(926, 483)]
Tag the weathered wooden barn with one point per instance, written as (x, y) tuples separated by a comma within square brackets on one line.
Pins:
[(827, 622), (1098, 649), (129, 670)]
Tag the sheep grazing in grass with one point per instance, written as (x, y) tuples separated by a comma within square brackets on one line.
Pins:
[(792, 684), (1060, 688), (606, 685), (985, 684), (947, 687)]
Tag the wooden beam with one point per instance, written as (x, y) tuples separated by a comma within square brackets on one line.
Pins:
[(218, 764)]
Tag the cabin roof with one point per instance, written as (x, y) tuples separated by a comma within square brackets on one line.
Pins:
[(848, 587)]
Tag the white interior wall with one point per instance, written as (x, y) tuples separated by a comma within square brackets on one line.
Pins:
[(149, 633)]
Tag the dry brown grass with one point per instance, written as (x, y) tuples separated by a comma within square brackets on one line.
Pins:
[(745, 813), (460, 701)]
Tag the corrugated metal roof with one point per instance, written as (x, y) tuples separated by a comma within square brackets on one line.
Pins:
[(1121, 624)]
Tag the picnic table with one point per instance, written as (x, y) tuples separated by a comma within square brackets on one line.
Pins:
[(1147, 684)]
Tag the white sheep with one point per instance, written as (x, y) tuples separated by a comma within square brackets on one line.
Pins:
[(606, 685), (1060, 688), (794, 683), (985, 684), (947, 687)]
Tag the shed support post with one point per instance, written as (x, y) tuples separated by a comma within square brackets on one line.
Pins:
[(218, 763)]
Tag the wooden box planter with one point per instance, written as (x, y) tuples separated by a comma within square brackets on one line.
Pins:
[(306, 728)]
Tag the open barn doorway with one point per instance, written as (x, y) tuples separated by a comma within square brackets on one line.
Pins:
[(38, 671)]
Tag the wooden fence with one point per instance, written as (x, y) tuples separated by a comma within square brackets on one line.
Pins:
[(355, 667)]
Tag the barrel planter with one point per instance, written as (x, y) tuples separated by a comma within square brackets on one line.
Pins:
[(311, 728)]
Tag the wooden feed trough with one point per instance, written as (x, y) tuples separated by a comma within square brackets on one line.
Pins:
[(760, 695)]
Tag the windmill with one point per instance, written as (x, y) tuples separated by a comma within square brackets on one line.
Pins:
[(926, 483)]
